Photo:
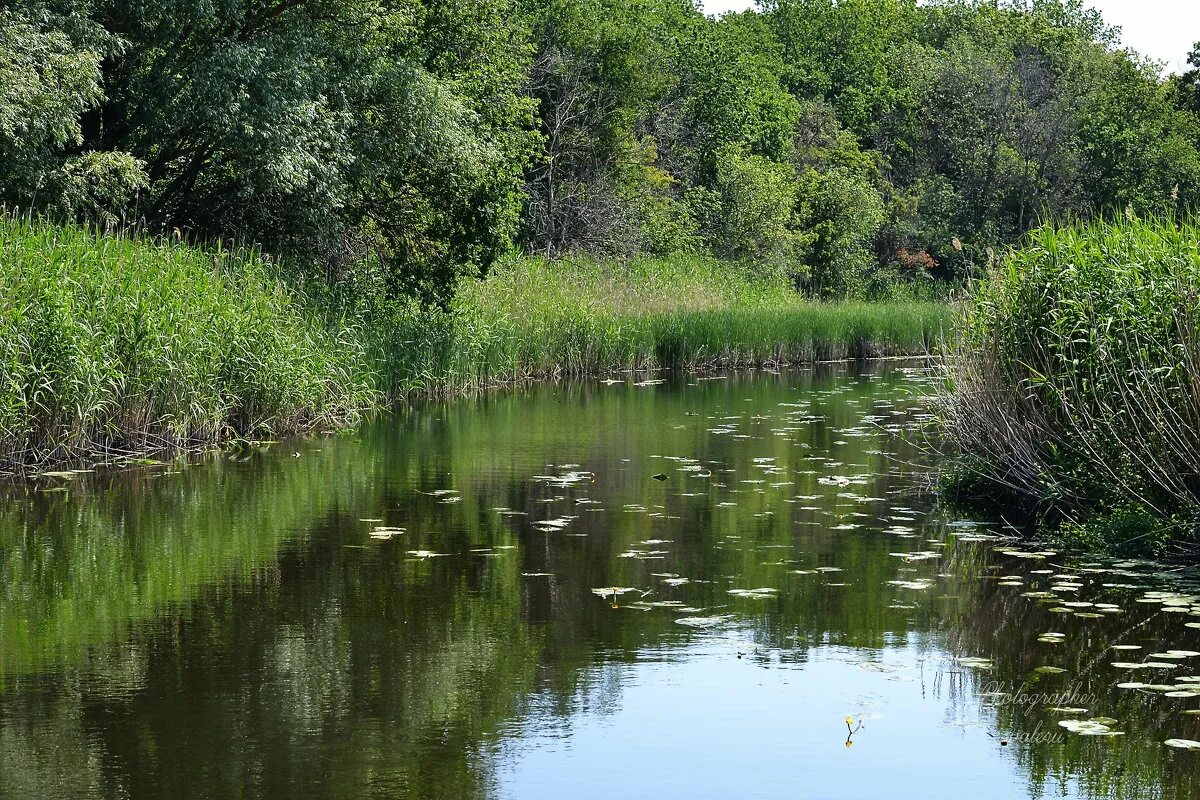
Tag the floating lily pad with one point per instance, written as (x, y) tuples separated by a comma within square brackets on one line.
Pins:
[(976, 663), (1183, 744)]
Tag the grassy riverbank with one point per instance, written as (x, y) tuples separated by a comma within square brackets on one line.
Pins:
[(532, 319), (117, 346), (1075, 391)]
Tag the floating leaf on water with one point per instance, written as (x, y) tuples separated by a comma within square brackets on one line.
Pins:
[(423, 554), (975, 663), (1065, 710), (1124, 647), (611, 591), (1175, 654), (1183, 744), (920, 555), (757, 594), (1088, 727), (702, 622), (1143, 665), (1049, 670), (917, 585), (1038, 554)]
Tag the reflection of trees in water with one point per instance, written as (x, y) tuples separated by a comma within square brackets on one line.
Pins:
[(999, 624), (299, 656)]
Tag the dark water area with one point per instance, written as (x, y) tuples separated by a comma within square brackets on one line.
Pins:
[(732, 586)]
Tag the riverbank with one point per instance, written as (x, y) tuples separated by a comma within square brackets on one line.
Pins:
[(115, 347), (1074, 392), (533, 319)]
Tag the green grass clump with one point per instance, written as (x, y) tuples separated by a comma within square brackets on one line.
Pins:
[(115, 344), (533, 318), (1075, 388)]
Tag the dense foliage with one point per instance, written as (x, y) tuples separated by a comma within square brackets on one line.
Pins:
[(842, 144), (330, 130), (1075, 391), (115, 345)]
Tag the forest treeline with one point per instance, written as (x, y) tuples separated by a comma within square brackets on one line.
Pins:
[(846, 145)]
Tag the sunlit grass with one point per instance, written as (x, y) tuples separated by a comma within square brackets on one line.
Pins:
[(113, 344), (532, 318), (117, 345)]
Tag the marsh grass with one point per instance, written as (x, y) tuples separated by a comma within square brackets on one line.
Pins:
[(120, 345), (534, 319), (1074, 388), (113, 345)]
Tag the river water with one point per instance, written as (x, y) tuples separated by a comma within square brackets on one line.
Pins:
[(667, 586)]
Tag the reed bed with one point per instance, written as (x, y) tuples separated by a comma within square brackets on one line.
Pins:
[(121, 345), (113, 346), (535, 319), (1074, 387)]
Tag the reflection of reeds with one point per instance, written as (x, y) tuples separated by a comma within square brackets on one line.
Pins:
[(1075, 389), (1001, 624)]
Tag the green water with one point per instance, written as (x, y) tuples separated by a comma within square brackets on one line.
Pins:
[(241, 627)]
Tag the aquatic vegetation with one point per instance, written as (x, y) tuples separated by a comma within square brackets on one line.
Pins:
[(1072, 390), (114, 345), (119, 345), (1183, 744), (531, 318), (1090, 727), (475, 610)]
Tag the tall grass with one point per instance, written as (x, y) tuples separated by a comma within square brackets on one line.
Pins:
[(120, 345), (113, 345), (1074, 390), (533, 318)]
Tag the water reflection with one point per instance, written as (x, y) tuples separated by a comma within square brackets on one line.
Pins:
[(497, 598)]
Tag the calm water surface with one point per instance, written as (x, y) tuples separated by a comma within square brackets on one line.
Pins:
[(498, 598)]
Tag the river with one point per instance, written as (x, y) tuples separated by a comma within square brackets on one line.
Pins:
[(662, 586)]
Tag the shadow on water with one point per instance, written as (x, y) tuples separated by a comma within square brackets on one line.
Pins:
[(495, 598)]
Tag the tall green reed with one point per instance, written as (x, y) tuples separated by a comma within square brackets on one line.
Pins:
[(116, 344), (1074, 390)]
